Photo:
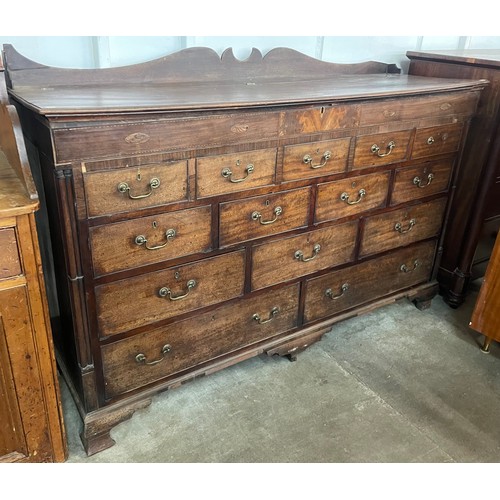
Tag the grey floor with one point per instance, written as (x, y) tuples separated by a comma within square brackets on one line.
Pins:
[(394, 385)]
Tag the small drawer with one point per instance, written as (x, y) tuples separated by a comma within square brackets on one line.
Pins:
[(412, 183), (322, 119), (147, 240), (10, 265), (314, 159), (341, 290), (263, 215), (128, 189), (164, 134), (224, 174), (436, 140), (381, 149), (351, 196), (412, 108), (134, 302), (303, 254), (402, 227), (148, 357)]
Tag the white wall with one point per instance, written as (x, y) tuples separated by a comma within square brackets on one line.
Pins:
[(106, 51)]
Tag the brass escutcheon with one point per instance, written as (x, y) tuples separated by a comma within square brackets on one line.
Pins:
[(123, 187), (376, 149)]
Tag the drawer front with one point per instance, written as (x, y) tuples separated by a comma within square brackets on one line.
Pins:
[(402, 227), (10, 265), (129, 189), (198, 339), (315, 159), (263, 215), (436, 140), (422, 180), (338, 199), (341, 290), (134, 302), (381, 149), (164, 135), (303, 254), (393, 110), (234, 172), (322, 119), (147, 240)]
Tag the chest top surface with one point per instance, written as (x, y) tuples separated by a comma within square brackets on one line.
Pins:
[(198, 79)]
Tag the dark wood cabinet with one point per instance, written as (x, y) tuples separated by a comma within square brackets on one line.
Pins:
[(221, 209), (475, 214), (31, 423)]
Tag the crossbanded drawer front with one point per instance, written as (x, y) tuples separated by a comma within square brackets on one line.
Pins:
[(393, 110), (197, 339), (134, 302), (165, 135), (127, 189), (381, 149), (341, 290), (146, 240), (436, 140), (263, 215), (10, 265), (419, 181), (338, 199), (402, 227), (303, 254), (318, 119), (231, 173), (314, 159)]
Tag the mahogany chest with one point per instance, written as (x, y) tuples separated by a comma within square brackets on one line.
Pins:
[(204, 210)]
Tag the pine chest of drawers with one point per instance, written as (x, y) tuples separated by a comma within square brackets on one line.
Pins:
[(204, 210)]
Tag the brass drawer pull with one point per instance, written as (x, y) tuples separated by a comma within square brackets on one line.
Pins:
[(272, 314), (418, 182), (345, 197), (227, 173), (300, 256), (343, 289), (405, 269), (308, 159), (154, 183), (258, 216), (430, 140), (399, 228), (142, 240), (376, 150), (166, 292), (141, 358)]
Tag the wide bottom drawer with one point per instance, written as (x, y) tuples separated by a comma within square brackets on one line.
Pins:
[(142, 359), (341, 290)]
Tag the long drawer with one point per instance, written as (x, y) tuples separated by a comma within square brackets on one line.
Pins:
[(355, 285), (134, 302), (148, 357)]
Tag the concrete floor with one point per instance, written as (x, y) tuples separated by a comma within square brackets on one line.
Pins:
[(395, 385)]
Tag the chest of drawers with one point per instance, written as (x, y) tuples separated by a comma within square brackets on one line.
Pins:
[(204, 210)]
